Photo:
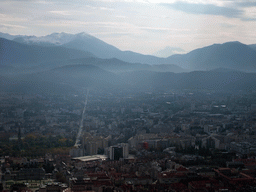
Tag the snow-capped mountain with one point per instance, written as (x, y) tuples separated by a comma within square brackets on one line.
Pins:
[(54, 38)]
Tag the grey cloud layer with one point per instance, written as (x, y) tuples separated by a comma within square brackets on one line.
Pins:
[(246, 4), (236, 11)]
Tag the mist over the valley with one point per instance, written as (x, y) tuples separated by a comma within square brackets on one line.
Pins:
[(77, 61)]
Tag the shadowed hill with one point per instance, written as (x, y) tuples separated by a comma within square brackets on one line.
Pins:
[(207, 80), (13, 53)]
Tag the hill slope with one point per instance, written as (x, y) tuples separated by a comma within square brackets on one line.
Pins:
[(112, 65), (233, 55), (13, 53)]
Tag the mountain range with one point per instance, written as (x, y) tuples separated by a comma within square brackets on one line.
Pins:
[(233, 55), (62, 61), (88, 43)]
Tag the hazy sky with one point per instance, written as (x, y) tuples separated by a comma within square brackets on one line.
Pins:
[(144, 26)]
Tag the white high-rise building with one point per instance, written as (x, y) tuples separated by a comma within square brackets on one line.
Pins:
[(76, 152)]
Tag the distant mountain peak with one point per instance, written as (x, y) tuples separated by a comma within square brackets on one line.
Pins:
[(168, 51), (8, 36), (53, 39), (225, 43), (237, 42), (83, 34), (232, 55)]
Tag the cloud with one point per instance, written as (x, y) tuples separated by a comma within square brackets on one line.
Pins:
[(204, 9), (65, 13), (9, 26), (111, 34), (226, 25), (248, 19), (29, 1), (245, 4), (164, 30), (155, 29)]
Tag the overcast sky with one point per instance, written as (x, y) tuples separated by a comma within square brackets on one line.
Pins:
[(143, 26)]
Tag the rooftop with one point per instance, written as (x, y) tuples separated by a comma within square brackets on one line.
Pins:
[(91, 158)]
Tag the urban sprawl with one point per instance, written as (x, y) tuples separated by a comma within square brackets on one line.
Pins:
[(174, 141)]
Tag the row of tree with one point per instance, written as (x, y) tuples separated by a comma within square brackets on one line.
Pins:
[(33, 146)]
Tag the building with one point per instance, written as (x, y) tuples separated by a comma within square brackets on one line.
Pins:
[(80, 184), (54, 187), (233, 177), (19, 188), (118, 151), (91, 144), (76, 152), (31, 174)]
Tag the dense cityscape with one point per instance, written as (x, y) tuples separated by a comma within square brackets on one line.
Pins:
[(181, 140)]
